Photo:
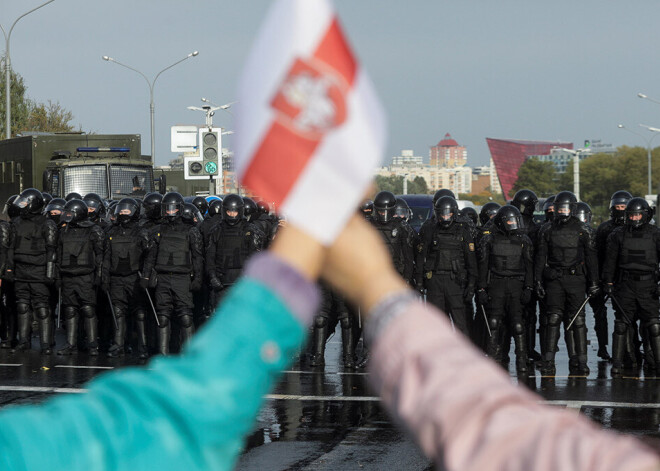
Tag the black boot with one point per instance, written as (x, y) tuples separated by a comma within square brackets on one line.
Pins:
[(619, 346), (348, 349), (521, 354), (45, 329), (117, 348), (318, 347), (164, 332), (141, 329), (71, 326), (187, 328), (91, 329), (548, 367), (24, 325)]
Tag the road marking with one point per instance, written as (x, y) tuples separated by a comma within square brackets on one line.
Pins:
[(324, 372), (11, 364), (42, 389), (84, 367), (293, 397), (580, 404)]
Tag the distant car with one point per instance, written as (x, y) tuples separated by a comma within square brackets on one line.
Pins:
[(421, 206)]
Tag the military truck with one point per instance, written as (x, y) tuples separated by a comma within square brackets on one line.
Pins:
[(108, 164)]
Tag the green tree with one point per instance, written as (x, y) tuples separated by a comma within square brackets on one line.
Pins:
[(20, 103), (49, 118), (394, 184), (540, 177)]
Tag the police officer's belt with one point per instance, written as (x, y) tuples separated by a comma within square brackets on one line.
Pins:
[(626, 275)]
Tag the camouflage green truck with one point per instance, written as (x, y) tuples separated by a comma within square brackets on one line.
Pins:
[(111, 165)]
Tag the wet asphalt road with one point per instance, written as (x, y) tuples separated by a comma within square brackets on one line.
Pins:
[(328, 418)]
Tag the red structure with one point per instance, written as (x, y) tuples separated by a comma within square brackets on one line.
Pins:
[(509, 154)]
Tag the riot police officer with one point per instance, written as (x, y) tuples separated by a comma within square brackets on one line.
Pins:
[(506, 278), (151, 206), (8, 312), (80, 261), (33, 267), (631, 276), (394, 233), (96, 209), (127, 245), (231, 243), (176, 259), (566, 268), (367, 209), (446, 263), (54, 209), (251, 209), (333, 310)]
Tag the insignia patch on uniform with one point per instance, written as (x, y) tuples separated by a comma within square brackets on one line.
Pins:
[(110, 238), (486, 232), (471, 245), (429, 274), (420, 247), (395, 232), (247, 233)]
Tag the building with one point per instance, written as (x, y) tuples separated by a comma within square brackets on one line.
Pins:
[(509, 154), (458, 180), (448, 154), (407, 159), (495, 187), (561, 159)]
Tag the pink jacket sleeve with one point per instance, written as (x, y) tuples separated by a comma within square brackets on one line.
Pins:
[(464, 412)]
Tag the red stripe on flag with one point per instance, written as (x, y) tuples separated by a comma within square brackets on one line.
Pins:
[(335, 51), (277, 164), (283, 153)]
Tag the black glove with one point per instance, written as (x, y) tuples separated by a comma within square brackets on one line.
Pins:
[(215, 283), (58, 283), (526, 296), (593, 289), (468, 294), (540, 291), (196, 284), (144, 283), (9, 275), (608, 288), (482, 297)]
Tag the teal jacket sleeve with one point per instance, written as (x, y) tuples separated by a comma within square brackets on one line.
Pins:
[(185, 413)]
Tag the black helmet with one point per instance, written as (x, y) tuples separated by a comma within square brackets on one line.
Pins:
[(264, 208), (470, 213), (508, 219), (402, 210), (442, 192), (151, 203), (73, 196), (215, 208), (74, 212), (620, 197), (488, 210), (384, 206), (250, 209), (201, 204), (30, 201), (564, 204), (190, 214), (525, 201), (172, 205), (549, 208), (47, 197), (638, 207), (10, 208), (95, 205), (367, 208), (583, 212), (446, 209), (55, 208), (233, 203), (126, 210)]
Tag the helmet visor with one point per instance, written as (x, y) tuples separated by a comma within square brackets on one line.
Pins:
[(170, 210)]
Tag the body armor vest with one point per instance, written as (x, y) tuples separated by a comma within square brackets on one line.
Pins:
[(125, 251), (174, 249), (564, 247), (29, 237), (392, 235), (446, 252), (638, 252), (77, 251), (232, 249), (506, 257)]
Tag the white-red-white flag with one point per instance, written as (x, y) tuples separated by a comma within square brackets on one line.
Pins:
[(309, 128)]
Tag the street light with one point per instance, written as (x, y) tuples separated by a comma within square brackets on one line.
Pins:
[(151, 84), (8, 69), (648, 147), (641, 95), (576, 167)]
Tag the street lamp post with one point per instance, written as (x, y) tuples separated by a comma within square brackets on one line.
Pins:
[(8, 69), (648, 149), (151, 84), (577, 154)]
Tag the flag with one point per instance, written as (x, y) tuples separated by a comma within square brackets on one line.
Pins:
[(309, 127)]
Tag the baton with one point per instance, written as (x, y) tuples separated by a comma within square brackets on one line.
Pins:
[(112, 310), (490, 334), (623, 313), (59, 306), (578, 311), (153, 309)]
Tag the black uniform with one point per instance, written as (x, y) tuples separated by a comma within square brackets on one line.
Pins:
[(447, 267), (632, 266), (228, 248), (177, 261), (7, 300), (126, 248), (506, 272), (398, 240), (80, 261), (565, 265), (33, 257), (332, 310)]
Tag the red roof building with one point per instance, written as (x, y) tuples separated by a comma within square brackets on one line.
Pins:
[(448, 154), (509, 154)]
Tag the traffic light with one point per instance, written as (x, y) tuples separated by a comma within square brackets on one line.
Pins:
[(587, 144), (210, 151)]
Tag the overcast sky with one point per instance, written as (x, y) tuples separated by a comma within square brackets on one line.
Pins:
[(563, 70)]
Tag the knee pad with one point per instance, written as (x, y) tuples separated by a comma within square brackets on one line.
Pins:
[(186, 320), (69, 312), (579, 321), (518, 328), (42, 313), (22, 309), (164, 321), (140, 316), (554, 319), (494, 323), (88, 311), (653, 329), (320, 322), (620, 328), (119, 312), (346, 323)]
